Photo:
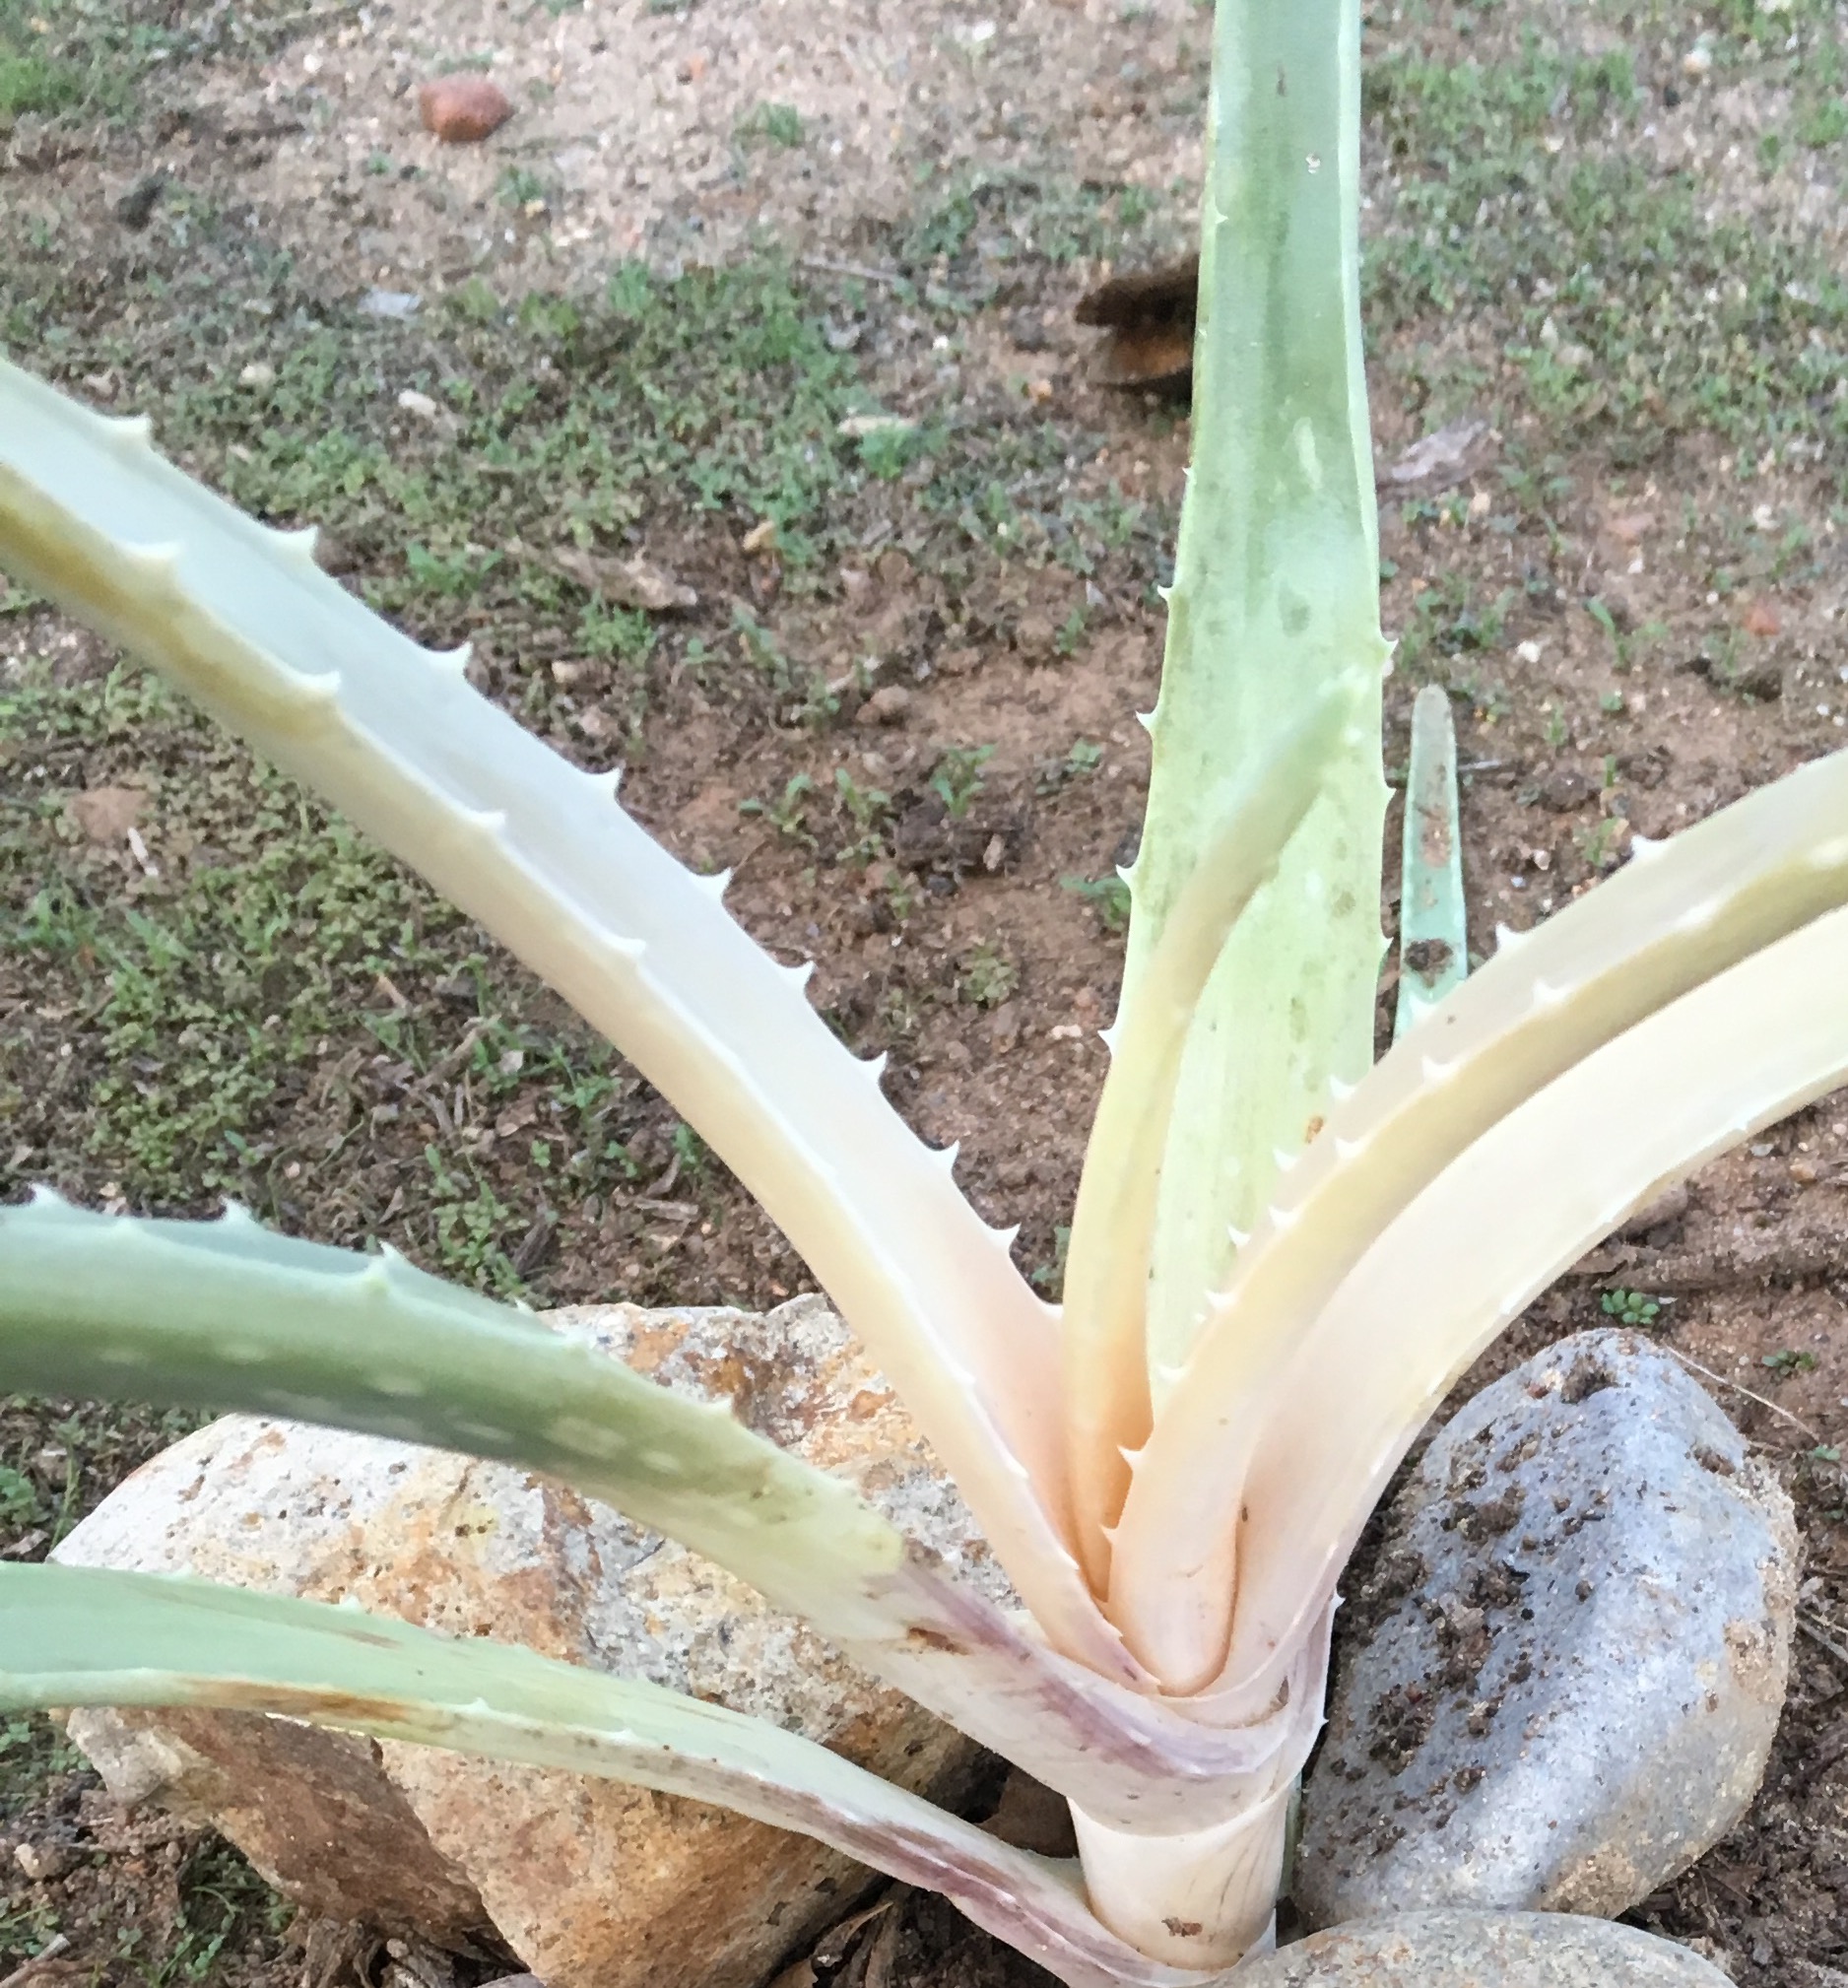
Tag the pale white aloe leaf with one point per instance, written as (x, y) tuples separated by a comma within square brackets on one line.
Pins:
[(1680, 912), (1433, 936), (227, 1314), (79, 1637), (1276, 596), (1505, 1220), (541, 854), (1108, 1262)]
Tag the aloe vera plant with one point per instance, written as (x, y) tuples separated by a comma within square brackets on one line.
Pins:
[(1281, 1255)]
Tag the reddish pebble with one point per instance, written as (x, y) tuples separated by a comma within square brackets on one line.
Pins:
[(1761, 619), (463, 110)]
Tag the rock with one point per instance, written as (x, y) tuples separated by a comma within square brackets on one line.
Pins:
[(1479, 1950), (890, 705), (592, 1883), (107, 814), (1560, 1685), (630, 583), (463, 110)]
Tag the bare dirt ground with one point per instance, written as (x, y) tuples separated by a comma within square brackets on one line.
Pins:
[(650, 319)]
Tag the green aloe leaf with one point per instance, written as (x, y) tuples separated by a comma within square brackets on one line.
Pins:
[(79, 1637), (1276, 598), (227, 1314), (1434, 940)]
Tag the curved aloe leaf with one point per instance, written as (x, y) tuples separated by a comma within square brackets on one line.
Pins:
[(1276, 595), (1513, 1213), (1434, 942), (1106, 1271), (75, 1636), (1680, 912), (541, 854), (227, 1314)]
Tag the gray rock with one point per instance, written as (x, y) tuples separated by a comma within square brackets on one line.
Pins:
[(1479, 1950), (1560, 1684)]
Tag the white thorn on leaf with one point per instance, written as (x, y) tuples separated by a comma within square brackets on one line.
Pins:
[(1434, 1069), (1147, 720), (1349, 1149), (1170, 1375), (1548, 995), (1285, 1157), (1281, 1217), (129, 430), (1004, 1236), (946, 1155), (1697, 917), (716, 884), (450, 662), (1164, 595), (1126, 876), (1507, 937), (803, 974), (298, 546), (1340, 1089), (875, 1066), (234, 1215), (1110, 1037), (1237, 1238), (608, 784), (1643, 848), (1829, 856), (486, 821), (38, 1195)]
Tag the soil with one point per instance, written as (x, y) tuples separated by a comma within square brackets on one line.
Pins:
[(902, 706)]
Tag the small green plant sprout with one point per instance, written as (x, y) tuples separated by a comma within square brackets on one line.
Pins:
[(1283, 1252), (1108, 897), (788, 812), (989, 977), (957, 778), (1788, 1361), (1630, 1307)]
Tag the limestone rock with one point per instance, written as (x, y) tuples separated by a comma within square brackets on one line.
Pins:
[(1561, 1686), (593, 1884), (1479, 1950)]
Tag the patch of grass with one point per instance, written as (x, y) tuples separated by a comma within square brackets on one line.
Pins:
[(1615, 292), (996, 216), (772, 124), (989, 975), (268, 995)]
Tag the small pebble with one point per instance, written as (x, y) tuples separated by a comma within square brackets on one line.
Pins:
[(463, 110), (890, 705), (42, 1861)]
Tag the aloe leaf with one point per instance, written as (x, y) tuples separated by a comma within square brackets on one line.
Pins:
[(1434, 942), (71, 1636), (1677, 914), (1106, 1272), (1501, 1225), (227, 1314), (541, 854), (1276, 596)]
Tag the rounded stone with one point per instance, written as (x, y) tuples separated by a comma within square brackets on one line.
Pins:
[(1479, 1950), (592, 1883), (1561, 1682)]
